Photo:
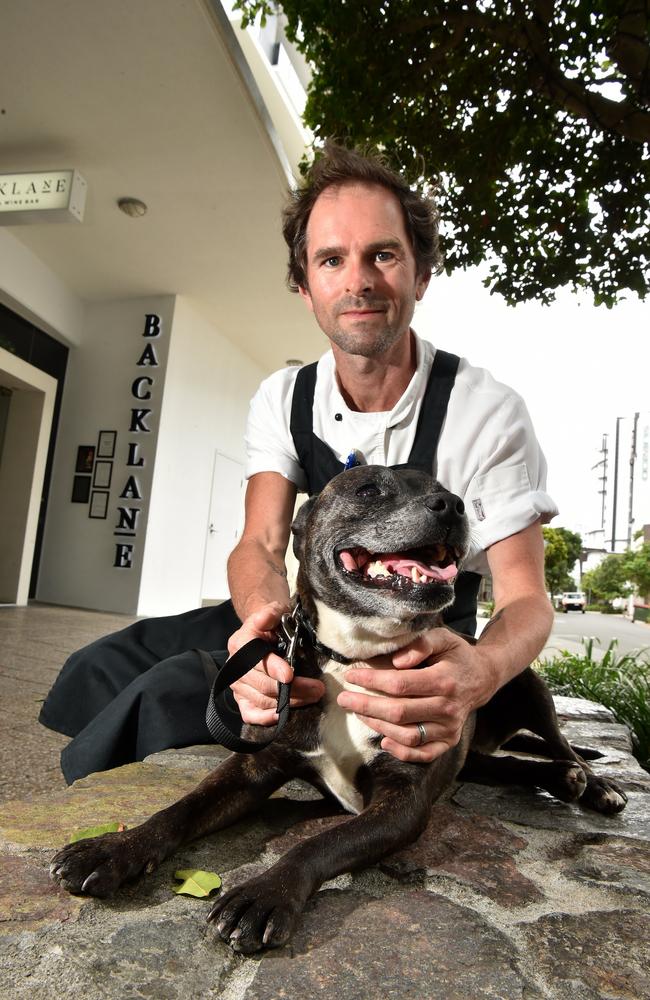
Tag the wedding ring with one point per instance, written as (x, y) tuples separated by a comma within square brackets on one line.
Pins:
[(423, 733)]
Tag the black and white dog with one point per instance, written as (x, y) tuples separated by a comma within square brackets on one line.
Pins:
[(379, 550)]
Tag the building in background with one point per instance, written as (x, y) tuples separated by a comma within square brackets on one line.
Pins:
[(134, 332)]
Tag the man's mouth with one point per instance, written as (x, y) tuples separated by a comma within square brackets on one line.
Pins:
[(434, 564), (362, 315)]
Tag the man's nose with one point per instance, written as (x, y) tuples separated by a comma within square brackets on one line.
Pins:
[(360, 276)]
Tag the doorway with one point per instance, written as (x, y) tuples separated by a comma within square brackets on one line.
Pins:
[(32, 372), (224, 526), (28, 406)]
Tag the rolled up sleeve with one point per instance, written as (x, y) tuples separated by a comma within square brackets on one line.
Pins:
[(508, 491)]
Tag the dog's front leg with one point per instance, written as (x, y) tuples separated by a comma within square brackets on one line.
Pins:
[(263, 911), (99, 865)]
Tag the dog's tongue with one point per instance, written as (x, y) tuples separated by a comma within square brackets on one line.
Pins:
[(348, 560), (403, 566), (396, 563)]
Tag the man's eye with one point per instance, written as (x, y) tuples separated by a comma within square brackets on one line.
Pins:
[(368, 490), (332, 261), (384, 255)]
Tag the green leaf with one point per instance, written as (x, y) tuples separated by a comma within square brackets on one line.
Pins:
[(196, 883), (96, 831)]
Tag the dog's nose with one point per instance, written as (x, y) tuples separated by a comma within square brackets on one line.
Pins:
[(445, 504)]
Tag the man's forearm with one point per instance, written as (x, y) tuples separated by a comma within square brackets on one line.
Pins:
[(256, 577), (515, 635)]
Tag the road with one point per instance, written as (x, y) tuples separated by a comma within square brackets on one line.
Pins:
[(568, 630)]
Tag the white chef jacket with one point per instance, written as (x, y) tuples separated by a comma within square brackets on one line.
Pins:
[(487, 453)]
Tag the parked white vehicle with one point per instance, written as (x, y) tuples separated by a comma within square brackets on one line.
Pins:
[(572, 600)]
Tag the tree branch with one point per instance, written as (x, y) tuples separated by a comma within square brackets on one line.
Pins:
[(629, 49)]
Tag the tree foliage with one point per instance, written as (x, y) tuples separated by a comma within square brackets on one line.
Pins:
[(608, 580), (573, 542), (530, 117), (637, 567), (562, 550)]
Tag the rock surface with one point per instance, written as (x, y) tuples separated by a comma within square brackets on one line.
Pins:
[(507, 894)]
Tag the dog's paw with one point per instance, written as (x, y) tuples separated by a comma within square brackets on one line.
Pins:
[(96, 866), (565, 779), (603, 795), (259, 914)]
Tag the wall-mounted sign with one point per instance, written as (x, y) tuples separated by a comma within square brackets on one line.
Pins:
[(45, 196), (141, 389)]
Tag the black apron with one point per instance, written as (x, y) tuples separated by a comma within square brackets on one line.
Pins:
[(320, 464), (143, 689)]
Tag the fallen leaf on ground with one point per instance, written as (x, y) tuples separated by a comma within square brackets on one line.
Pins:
[(96, 831), (196, 883)]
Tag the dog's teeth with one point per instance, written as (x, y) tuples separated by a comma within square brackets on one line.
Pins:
[(376, 568), (415, 576), (423, 578)]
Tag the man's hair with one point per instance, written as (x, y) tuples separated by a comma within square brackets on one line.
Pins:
[(338, 165)]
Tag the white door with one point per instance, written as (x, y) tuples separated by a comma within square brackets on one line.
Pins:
[(224, 525)]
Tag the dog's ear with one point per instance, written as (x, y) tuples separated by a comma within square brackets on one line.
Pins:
[(299, 526)]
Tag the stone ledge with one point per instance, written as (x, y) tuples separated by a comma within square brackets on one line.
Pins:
[(508, 893)]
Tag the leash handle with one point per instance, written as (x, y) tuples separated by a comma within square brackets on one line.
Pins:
[(222, 716)]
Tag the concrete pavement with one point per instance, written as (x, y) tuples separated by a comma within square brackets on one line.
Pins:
[(508, 893)]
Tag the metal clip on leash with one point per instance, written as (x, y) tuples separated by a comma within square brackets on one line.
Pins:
[(222, 716), (289, 641)]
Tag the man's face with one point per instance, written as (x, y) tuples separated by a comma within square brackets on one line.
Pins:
[(361, 270)]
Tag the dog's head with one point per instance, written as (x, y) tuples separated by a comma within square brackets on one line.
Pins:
[(381, 543)]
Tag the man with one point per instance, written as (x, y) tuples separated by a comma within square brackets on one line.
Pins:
[(362, 250), (354, 265)]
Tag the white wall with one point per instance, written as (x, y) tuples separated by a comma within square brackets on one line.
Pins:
[(79, 552), (31, 289), (208, 386)]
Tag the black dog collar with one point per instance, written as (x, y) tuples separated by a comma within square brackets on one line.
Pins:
[(303, 622)]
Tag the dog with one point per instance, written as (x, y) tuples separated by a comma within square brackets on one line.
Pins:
[(378, 550)]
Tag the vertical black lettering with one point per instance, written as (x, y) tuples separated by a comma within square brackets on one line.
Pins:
[(148, 357), (151, 325), (131, 491), (128, 518), (132, 458), (123, 555), (136, 388), (137, 421)]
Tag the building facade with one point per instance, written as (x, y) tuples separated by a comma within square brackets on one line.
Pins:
[(130, 344)]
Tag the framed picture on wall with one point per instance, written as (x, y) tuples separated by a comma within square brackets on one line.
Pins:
[(102, 475), (98, 504), (106, 444), (81, 489), (85, 458)]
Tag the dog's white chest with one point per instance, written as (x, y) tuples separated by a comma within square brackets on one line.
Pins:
[(344, 741)]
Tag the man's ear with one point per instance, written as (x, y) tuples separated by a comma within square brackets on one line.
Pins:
[(421, 286), (299, 527), (303, 291)]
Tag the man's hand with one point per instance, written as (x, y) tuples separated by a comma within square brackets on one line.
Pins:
[(256, 693), (456, 679)]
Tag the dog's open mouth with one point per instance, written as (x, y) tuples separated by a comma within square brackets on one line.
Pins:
[(435, 564)]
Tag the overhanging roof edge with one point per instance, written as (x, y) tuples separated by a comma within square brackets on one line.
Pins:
[(233, 47)]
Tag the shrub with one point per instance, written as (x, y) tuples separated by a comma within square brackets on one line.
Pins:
[(621, 682)]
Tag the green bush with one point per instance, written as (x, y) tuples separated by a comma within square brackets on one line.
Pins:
[(620, 682)]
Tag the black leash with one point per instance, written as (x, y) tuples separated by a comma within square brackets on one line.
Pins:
[(222, 716)]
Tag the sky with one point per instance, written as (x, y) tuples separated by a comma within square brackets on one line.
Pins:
[(578, 367)]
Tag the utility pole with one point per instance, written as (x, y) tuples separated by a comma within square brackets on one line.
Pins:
[(614, 505), (630, 510), (602, 479)]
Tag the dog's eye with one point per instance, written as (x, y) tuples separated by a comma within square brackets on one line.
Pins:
[(368, 490)]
